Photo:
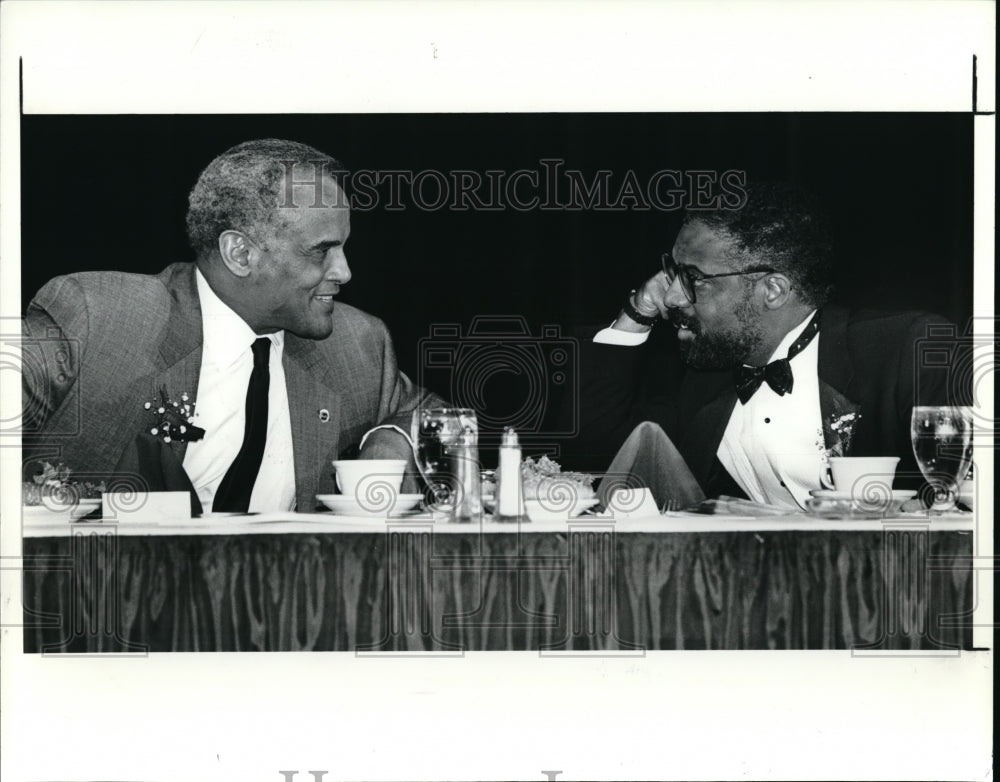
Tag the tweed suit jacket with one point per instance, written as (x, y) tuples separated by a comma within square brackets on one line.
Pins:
[(98, 345), (868, 365)]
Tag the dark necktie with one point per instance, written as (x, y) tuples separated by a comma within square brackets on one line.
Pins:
[(777, 374), (234, 492)]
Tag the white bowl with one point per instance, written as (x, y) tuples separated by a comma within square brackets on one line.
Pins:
[(554, 511), (347, 505)]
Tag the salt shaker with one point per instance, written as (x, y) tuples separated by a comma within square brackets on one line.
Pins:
[(508, 505), (469, 506)]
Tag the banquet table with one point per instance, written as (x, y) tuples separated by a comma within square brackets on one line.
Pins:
[(417, 585)]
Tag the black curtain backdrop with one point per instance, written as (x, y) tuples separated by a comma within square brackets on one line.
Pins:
[(110, 192)]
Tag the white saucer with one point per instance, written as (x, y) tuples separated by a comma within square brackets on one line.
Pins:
[(538, 512), (75, 511), (831, 494), (348, 505)]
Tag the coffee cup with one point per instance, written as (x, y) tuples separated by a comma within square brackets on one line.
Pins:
[(357, 477), (854, 473)]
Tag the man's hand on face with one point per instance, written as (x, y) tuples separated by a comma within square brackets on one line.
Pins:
[(650, 299), (390, 444)]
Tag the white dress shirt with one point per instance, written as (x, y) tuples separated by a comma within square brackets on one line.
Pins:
[(220, 409), (610, 336), (773, 445)]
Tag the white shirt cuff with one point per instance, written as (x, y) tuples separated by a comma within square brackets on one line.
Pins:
[(631, 339), (388, 426)]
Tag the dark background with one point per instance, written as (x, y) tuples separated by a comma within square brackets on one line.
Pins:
[(110, 192)]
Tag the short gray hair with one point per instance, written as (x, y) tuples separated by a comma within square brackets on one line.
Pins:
[(242, 188)]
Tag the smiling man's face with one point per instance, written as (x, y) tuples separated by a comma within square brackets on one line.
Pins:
[(723, 328), (302, 267)]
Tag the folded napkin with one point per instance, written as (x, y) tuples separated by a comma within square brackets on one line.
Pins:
[(648, 459), (632, 503)]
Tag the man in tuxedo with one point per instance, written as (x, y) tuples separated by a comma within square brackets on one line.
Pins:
[(237, 377), (776, 378)]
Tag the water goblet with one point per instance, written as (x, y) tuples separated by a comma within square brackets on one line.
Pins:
[(942, 444), (437, 432)]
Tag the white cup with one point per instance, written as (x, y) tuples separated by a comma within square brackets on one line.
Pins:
[(356, 477), (854, 473)]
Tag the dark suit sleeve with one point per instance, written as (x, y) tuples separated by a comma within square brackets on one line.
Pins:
[(618, 388), (933, 367), (398, 395), (54, 332)]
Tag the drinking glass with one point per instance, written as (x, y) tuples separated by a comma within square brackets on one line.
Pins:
[(437, 432), (942, 445)]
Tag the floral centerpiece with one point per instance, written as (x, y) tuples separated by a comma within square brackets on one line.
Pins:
[(52, 485)]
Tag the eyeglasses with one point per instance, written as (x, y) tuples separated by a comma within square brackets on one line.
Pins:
[(688, 275)]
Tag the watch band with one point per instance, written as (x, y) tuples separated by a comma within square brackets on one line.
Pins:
[(634, 314)]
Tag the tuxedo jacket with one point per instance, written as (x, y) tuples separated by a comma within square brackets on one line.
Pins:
[(873, 365), (98, 345)]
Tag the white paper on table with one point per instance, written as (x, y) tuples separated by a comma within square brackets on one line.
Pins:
[(153, 507)]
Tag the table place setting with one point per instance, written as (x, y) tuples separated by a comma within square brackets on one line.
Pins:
[(861, 487), (519, 490), (538, 491), (854, 489), (370, 488), (858, 487)]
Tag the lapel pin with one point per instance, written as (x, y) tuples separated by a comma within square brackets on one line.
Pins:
[(324, 415)]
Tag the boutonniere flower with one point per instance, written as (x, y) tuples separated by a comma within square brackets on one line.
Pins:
[(842, 427), (173, 421)]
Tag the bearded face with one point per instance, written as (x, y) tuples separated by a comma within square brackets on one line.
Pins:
[(716, 311), (719, 342)]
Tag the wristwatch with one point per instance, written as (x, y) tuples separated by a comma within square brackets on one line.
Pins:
[(634, 314)]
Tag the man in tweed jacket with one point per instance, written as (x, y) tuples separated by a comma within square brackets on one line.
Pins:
[(269, 261)]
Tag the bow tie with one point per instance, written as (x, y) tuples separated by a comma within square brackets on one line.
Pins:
[(777, 374)]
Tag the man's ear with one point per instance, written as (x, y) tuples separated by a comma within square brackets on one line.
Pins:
[(777, 290), (235, 247)]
